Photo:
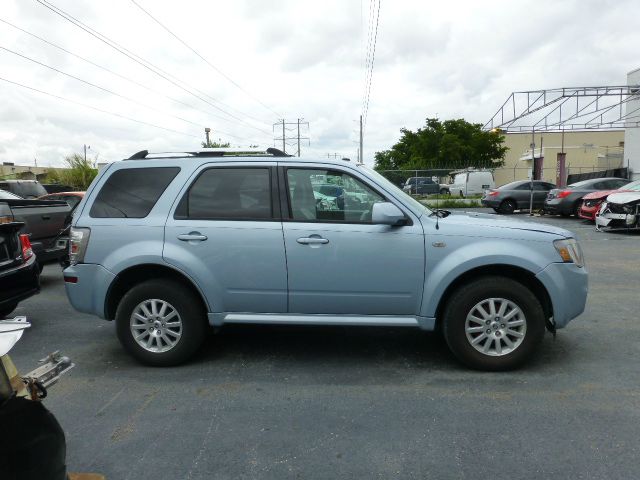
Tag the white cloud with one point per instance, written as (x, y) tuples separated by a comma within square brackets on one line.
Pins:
[(303, 59)]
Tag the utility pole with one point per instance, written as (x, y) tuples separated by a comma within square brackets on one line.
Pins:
[(360, 152), (294, 137), (207, 130), (85, 152)]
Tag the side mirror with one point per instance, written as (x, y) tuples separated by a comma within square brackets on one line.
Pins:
[(386, 213)]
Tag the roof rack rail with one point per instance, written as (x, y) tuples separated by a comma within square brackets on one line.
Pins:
[(212, 152)]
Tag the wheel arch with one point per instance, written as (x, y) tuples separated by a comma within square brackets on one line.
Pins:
[(519, 274), (134, 275)]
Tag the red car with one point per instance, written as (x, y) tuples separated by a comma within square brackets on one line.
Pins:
[(592, 201)]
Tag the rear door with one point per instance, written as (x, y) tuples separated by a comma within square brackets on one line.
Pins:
[(225, 232), (338, 261)]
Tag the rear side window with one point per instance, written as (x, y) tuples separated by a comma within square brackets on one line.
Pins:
[(132, 192), (228, 193)]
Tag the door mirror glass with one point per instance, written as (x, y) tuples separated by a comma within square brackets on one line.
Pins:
[(386, 213)]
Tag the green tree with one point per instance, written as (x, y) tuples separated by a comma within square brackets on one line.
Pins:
[(78, 172), (451, 144), (214, 144)]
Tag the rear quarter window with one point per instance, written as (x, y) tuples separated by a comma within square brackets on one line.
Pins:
[(132, 192)]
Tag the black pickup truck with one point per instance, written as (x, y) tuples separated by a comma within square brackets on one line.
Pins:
[(45, 221), (19, 273)]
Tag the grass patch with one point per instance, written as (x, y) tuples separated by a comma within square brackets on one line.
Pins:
[(453, 203)]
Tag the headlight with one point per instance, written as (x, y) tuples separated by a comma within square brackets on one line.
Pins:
[(570, 251)]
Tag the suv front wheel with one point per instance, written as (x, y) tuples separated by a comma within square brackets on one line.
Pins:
[(160, 323), (493, 323)]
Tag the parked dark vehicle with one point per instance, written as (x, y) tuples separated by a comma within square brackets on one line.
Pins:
[(423, 186), (44, 221), (72, 198), (18, 268), (517, 196), (23, 188), (567, 200)]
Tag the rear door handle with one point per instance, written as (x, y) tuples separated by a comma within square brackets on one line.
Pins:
[(46, 217), (192, 237), (312, 240)]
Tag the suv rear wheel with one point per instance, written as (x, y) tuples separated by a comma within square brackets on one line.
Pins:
[(160, 323), (493, 323)]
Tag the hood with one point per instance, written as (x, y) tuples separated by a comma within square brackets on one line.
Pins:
[(624, 197), (473, 219), (598, 195), (10, 333)]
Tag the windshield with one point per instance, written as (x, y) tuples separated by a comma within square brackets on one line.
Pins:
[(31, 189), (635, 186), (8, 196), (460, 178), (390, 186)]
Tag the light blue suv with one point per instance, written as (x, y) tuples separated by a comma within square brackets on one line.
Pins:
[(167, 244)]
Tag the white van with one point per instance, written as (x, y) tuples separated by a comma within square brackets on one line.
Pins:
[(471, 182)]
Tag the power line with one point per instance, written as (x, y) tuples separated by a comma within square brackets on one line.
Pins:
[(97, 109), (373, 58), (293, 139), (111, 92), (141, 61), (113, 72), (216, 69)]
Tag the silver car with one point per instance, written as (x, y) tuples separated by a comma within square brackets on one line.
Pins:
[(166, 245)]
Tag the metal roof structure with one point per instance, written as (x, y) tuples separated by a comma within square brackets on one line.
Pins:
[(568, 108)]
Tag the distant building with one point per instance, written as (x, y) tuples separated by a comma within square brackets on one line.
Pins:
[(632, 135), (586, 151)]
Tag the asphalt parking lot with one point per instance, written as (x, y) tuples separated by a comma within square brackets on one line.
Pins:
[(282, 402)]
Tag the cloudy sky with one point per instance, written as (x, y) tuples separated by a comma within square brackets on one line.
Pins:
[(286, 59)]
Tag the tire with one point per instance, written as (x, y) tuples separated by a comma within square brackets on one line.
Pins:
[(529, 322), (497, 210), (575, 210), (444, 191), (507, 207), (177, 336), (6, 310)]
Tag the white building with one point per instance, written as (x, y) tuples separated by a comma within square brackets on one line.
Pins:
[(632, 135)]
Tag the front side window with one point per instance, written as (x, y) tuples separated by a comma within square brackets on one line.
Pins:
[(329, 196), (132, 192), (228, 193)]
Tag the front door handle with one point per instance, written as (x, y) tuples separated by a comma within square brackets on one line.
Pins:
[(313, 240), (192, 237)]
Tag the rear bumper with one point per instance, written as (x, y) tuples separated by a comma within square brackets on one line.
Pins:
[(88, 291), (556, 207), (567, 286), (489, 202), (19, 283)]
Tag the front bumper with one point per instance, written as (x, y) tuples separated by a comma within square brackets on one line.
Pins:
[(567, 285), (89, 289), (588, 213)]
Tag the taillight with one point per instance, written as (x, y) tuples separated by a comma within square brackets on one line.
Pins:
[(563, 193), (27, 251), (78, 240), (493, 193)]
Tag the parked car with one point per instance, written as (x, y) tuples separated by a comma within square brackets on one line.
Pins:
[(72, 198), (471, 182), (18, 269), (591, 202), (567, 200), (44, 221), (220, 237), (517, 196), (620, 211), (424, 186), (23, 188)]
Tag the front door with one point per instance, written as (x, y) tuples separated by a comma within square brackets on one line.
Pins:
[(338, 262), (227, 235)]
